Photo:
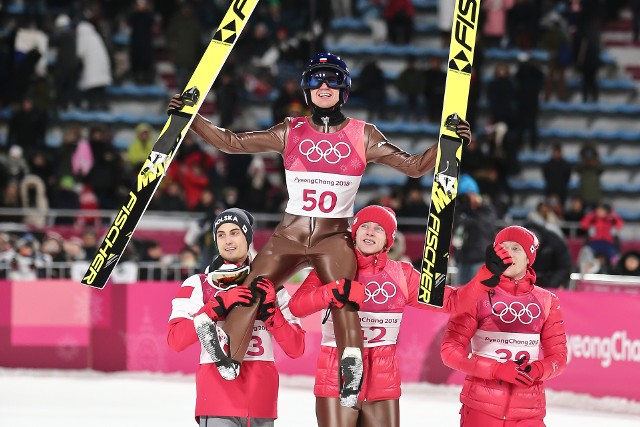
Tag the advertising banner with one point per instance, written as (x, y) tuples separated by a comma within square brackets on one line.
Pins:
[(63, 325)]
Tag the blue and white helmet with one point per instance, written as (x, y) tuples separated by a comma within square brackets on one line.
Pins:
[(326, 68)]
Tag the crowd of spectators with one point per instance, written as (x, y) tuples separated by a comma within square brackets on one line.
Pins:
[(64, 55)]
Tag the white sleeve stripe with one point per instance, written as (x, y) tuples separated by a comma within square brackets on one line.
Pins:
[(188, 307)]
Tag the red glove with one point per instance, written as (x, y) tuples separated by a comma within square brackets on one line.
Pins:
[(218, 307), (345, 291), (497, 260), (267, 291), (535, 370), (511, 372)]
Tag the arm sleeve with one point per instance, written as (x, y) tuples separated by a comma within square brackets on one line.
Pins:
[(285, 327), (554, 342), (181, 334), (310, 297), (271, 140), (188, 300), (379, 150), (456, 300), (455, 342)]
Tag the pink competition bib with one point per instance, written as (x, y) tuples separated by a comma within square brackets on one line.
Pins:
[(323, 170)]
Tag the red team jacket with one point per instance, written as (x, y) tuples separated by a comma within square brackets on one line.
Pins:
[(389, 287), (254, 394), (521, 319)]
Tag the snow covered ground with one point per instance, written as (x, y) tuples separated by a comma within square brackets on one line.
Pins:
[(86, 398)]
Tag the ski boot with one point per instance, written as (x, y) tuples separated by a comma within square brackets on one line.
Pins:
[(351, 376), (216, 343)]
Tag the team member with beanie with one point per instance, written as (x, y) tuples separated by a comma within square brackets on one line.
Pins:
[(205, 298), (517, 339), (383, 288), (324, 156)]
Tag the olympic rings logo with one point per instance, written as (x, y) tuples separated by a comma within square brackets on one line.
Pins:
[(316, 151), (386, 290), (517, 311)]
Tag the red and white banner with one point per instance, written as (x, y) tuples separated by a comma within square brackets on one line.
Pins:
[(64, 325)]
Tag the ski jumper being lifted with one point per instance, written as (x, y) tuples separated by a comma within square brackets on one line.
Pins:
[(325, 156)]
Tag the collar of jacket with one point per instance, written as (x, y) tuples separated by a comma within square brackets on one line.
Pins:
[(372, 263), (518, 286), (334, 113)]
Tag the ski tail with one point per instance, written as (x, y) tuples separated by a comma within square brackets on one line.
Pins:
[(444, 189), (168, 142)]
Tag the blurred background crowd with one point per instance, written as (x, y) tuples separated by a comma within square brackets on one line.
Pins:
[(84, 86)]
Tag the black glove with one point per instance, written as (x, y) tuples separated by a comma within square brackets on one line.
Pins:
[(345, 291), (496, 261)]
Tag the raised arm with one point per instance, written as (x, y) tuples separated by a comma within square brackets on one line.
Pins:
[(271, 140), (456, 300), (380, 150)]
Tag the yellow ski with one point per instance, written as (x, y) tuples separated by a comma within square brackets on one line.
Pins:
[(435, 257), (167, 144)]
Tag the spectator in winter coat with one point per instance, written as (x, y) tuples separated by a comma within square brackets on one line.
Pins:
[(517, 339), (66, 66), (553, 258), (557, 173), (203, 298), (474, 228), (589, 170), (603, 226), (399, 15), (529, 80), (140, 147), (382, 289), (95, 74)]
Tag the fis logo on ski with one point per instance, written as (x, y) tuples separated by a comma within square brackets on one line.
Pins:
[(464, 33), (103, 257), (227, 32)]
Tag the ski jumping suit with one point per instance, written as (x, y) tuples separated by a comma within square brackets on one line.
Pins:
[(254, 394), (323, 173), (389, 287), (520, 319)]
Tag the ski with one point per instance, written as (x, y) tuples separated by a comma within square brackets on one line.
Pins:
[(444, 189), (168, 142)]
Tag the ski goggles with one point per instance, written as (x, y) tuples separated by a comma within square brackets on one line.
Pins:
[(333, 78)]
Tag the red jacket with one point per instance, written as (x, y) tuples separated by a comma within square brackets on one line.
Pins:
[(600, 228), (389, 287), (519, 319), (254, 394)]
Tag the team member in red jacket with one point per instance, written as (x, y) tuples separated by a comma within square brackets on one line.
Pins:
[(517, 339), (205, 298), (387, 287)]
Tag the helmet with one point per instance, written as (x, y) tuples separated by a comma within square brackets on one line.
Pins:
[(336, 76)]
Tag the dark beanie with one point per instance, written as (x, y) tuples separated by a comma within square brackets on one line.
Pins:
[(240, 217)]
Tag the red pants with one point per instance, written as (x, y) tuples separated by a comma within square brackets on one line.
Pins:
[(473, 418)]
